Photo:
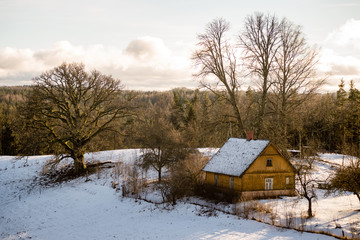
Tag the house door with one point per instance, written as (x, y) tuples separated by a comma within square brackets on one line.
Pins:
[(268, 183)]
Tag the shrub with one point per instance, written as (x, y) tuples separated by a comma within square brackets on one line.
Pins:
[(186, 178)]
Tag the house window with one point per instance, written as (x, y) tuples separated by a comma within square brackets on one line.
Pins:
[(268, 183), (287, 180), (216, 180), (269, 162), (231, 182)]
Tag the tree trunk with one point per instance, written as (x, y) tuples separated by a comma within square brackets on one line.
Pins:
[(358, 196), (260, 123), (79, 163), (310, 215), (173, 199), (235, 106), (159, 175), (283, 115), (240, 123)]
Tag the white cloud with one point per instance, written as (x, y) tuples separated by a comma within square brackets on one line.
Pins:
[(146, 63), (335, 63), (147, 48), (347, 36), (340, 54)]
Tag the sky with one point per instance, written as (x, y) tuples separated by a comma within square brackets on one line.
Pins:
[(147, 44)]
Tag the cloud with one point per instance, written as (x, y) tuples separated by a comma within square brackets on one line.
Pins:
[(346, 37), (335, 63), (146, 63), (340, 54), (147, 48)]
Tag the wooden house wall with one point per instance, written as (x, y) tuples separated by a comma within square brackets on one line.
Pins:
[(254, 178), (223, 181)]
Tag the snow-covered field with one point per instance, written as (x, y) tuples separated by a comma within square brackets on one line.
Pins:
[(339, 215), (80, 209)]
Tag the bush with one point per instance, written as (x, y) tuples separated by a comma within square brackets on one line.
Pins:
[(185, 178), (346, 178), (132, 181), (219, 195)]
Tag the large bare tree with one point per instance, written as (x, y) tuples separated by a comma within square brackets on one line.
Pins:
[(260, 43), (215, 57), (295, 73), (71, 106)]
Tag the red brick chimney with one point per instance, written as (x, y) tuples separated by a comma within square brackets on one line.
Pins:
[(249, 136)]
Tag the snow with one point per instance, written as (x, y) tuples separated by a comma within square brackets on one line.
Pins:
[(79, 209), (235, 156), (339, 215), (336, 159)]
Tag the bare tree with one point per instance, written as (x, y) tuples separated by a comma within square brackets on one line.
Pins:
[(215, 57), (306, 181), (71, 106), (260, 43), (295, 71)]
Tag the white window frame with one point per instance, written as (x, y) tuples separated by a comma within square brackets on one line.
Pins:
[(287, 180), (216, 180), (231, 182), (269, 183)]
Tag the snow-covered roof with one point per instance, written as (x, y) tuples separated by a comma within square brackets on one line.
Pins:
[(235, 156)]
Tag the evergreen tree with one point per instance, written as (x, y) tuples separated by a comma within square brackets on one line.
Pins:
[(354, 118), (341, 94), (177, 113), (341, 115)]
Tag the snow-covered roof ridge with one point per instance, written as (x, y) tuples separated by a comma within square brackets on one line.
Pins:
[(235, 156)]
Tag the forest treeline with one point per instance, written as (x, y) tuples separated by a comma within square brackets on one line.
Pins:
[(325, 122), (92, 112)]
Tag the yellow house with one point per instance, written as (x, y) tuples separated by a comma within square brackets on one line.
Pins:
[(252, 168)]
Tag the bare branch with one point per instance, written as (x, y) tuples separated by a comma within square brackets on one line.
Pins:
[(216, 57), (73, 106)]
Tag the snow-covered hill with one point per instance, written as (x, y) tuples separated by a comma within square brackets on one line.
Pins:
[(80, 209)]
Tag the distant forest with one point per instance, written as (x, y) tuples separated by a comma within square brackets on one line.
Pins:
[(283, 105), (325, 122)]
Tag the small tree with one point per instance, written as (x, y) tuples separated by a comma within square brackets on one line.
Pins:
[(347, 178), (306, 181), (163, 144), (70, 107)]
